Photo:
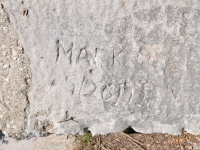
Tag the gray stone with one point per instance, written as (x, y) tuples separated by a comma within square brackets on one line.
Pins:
[(111, 64)]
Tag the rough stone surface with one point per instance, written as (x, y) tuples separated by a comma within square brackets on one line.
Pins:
[(13, 144), (51, 142), (111, 64), (14, 78)]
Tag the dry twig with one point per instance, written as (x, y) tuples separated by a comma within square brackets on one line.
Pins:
[(25, 12), (139, 145), (101, 145), (71, 118), (121, 143)]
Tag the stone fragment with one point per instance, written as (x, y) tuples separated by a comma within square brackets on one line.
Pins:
[(110, 64), (6, 66)]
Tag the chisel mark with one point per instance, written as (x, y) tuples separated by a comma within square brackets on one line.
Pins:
[(70, 52), (57, 50)]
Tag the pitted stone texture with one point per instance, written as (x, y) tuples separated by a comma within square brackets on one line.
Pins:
[(14, 80), (111, 64)]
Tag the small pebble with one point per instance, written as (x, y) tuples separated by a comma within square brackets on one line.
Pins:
[(6, 66), (28, 80), (5, 28)]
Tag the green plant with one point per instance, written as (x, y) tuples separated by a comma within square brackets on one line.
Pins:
[(85, 139)]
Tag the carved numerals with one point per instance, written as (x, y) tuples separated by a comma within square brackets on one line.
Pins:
[(88, 88), (117, 95)]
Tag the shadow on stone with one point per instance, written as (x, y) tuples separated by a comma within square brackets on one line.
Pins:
[(130, 130), (85, 130), (30, 135), (2, 137)]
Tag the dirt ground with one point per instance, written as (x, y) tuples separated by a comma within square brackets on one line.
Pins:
[(120, 141), (114, 141), (137, 141)]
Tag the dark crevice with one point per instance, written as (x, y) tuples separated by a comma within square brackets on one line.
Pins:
[(85, 130), (57, 50), (8, 18), (53, 82), (130, 130)]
